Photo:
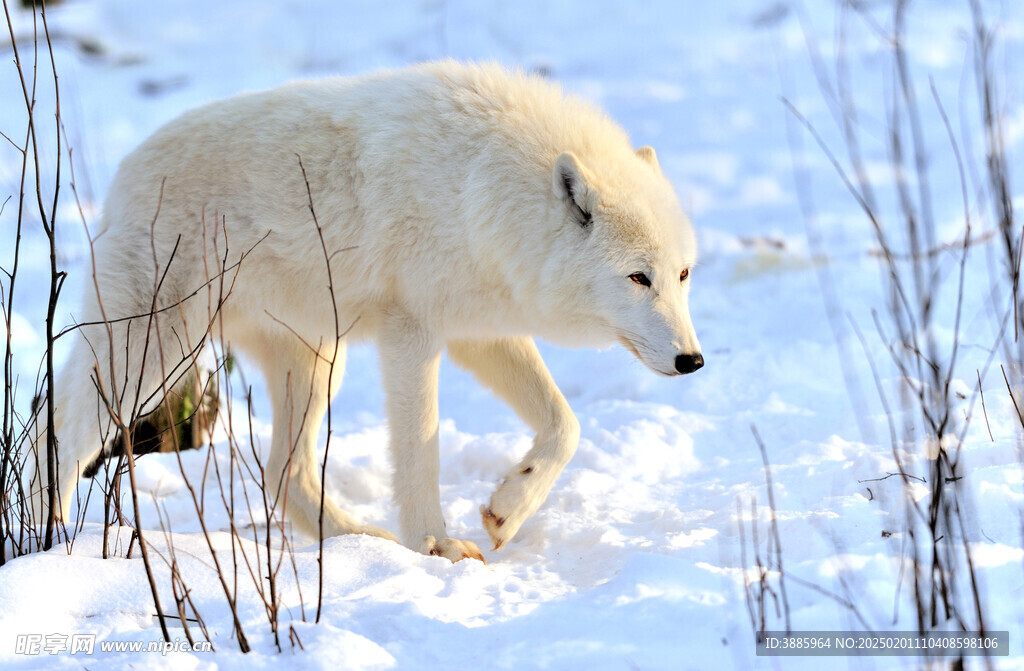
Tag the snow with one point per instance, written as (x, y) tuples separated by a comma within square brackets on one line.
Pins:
[(641, 556)]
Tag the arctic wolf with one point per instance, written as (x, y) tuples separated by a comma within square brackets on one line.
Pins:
[(441, 206)]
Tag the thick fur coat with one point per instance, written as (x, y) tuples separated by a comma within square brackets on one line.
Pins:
[(441, 206)]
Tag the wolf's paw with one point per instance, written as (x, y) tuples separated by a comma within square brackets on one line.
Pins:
[(450, 548), (518, 497), (501, 529)]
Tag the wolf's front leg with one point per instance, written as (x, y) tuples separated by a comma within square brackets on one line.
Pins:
[(513, 369), (410, 357)]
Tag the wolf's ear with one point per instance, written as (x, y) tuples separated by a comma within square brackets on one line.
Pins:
[(574, 185), (647, 155)]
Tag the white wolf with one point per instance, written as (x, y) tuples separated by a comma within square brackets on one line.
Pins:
[(455, 205)]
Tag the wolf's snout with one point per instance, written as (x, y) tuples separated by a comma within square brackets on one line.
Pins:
[(687, 363)]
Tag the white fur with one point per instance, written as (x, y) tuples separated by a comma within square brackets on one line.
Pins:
[(460, 206)]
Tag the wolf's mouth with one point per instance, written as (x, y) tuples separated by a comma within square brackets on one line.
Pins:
[(628, 344)]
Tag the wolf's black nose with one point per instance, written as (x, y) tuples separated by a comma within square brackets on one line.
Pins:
[(687, 363)]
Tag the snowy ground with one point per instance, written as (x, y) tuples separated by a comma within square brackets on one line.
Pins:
[(637, 559)]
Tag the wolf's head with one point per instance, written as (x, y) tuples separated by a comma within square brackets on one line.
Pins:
[(638, 250)]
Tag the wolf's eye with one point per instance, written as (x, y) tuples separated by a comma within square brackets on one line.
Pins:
[(683, 275), (640, 279)]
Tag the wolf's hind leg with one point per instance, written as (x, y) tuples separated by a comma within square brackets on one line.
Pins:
[(118, 371), (301, 384)]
